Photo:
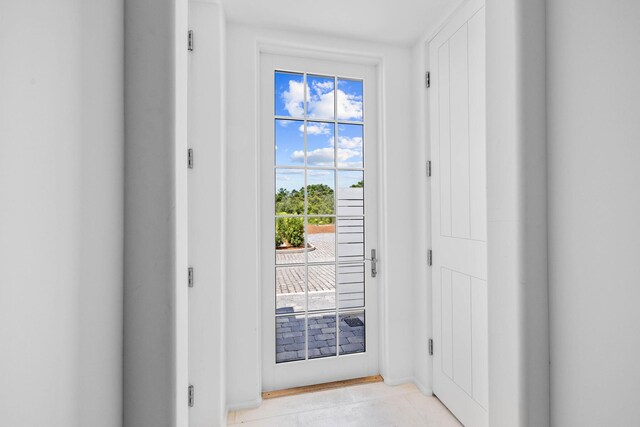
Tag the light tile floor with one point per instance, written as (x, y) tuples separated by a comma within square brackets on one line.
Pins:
[(370, 405)]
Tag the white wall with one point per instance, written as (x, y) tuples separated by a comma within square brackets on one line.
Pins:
[(594, 211), (155, 300), (517, 214), (207, 365), (61, 191), (243, 328)]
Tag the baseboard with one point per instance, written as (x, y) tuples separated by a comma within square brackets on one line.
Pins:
[(397, 381), (427, 391), (248, 404), (408, 380)]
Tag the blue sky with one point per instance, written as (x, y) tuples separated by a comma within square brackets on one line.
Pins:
[(350, 140), (289, 89), (347, 178), (293, 179), (320, 97), (289, 140), (350, 100), (289, 179), (320, 150)]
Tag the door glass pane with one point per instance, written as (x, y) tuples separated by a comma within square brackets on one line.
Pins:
[(322, 287), (290, 240), (320, 103), (321, 235), (351, 285), (290, 338), (320, 192), (289, 198), (350, 239), (289, 94), (289, 145), (350, 100), (319, 213), (322, 335), (290, 290), (320, 149), (350, 141), (352, 332), (350, 193)]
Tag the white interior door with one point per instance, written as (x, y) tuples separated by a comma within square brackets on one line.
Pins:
[(318, 199), (457, 56)]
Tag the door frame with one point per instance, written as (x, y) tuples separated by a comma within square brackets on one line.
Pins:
[(313, 53)]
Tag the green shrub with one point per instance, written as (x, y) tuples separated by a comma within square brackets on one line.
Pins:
[(291, 231), (295, 231)]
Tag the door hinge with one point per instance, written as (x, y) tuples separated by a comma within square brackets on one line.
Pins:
[(190, 277), (191, 397), (429, 257), (430, 347), (190, 41), (429, 168), (427, 79), (190, 158)]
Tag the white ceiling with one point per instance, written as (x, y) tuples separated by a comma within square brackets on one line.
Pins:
[(392, 21)]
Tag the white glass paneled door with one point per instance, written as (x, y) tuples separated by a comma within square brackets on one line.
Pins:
[(459, 195), (318, 221)]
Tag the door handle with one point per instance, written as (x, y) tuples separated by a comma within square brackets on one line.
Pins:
[(374, 263)]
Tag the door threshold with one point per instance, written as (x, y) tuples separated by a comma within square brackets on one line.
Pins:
[(320, 387)]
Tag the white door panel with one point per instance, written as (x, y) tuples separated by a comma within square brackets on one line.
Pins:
[(459, 216), (477, 127), (459, 131), (319, 309)]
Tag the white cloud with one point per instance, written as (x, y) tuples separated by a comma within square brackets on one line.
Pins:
[(321, 106), (293, 98), (345, 154), (316, 129), (324, 157), (297, 156), (349, 106), (350, 142), (324, 86), (320, 157), (317, 157)]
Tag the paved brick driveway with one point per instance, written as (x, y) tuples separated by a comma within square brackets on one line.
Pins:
[(325, 244), (321, 277)]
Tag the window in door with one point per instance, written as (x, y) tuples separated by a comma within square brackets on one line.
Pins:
[(319, 216)]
